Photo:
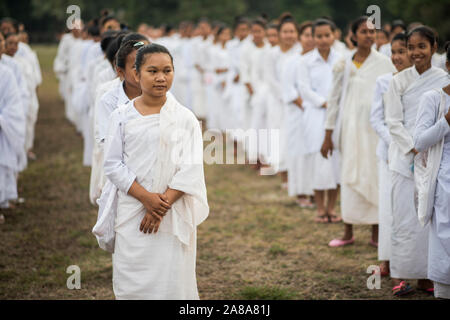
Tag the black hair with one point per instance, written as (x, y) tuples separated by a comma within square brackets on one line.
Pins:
[(168, 28), (286, 17), (398, 23), (93, 30), (425, 32), (222, 28), (203, 20), (107, 38), (447, 50), (125, 49), (260, 21), (149, 49), (383, 31), (355, 26), (305, 25), (12, 21), (114, 46), (323, 22), (134, 36), (240, 20), (399, 37), (272, 26), (10, 34), (103, 20)]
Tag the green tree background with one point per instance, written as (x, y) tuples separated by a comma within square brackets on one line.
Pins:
[(44, 19)]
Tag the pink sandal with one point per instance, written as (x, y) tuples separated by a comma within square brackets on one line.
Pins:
[(340, 243)]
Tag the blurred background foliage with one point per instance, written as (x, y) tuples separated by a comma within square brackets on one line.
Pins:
[(45, 18)]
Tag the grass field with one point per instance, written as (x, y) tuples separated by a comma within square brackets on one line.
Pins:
[(256, 244)]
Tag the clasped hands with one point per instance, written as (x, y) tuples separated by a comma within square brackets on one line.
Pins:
[(156, 206)]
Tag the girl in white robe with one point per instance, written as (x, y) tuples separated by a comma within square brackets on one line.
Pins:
[(61, 62), (32, 103), (121, 94), (349, 106), (297, 161), (279, 56), (431, 130), (265, 116), (154, 156), (220, 115), (251, 73), (12, 136), (409, 239), (314, 75), (401, 61), (14, 67), (235, 91)]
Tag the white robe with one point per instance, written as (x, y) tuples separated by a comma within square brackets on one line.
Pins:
[(378, 122), (430, 130), (12, 135), (159, 151), (236, 94), (33, 102), (409, 238), (251, 72), (314, 78), (220, 115), (25, 97), (61, 63), (277, 62), (355, 137), (105, 105)]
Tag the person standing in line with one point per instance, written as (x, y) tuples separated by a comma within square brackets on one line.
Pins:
[(154, 165), (409, 240), (348, 130), (401, 61), (431, 130)]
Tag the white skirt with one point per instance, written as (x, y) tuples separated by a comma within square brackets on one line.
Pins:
[(300, 175), (355, 208), (384, 211), (8, 186), (153, 267), (409, 255), (325, 172)]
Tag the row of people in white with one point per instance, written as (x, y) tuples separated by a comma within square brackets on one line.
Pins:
[(22, 63), (403, 242)]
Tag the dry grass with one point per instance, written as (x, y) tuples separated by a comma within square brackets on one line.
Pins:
[(256, 243)]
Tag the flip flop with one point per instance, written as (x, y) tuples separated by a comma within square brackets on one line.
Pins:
[(402, 289), (340, 243), (334, 218), (429, 291), (322, 219)]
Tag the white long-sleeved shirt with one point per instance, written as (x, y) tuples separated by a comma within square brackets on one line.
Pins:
[(377, 117)]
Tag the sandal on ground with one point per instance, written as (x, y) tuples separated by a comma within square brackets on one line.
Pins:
[(402, 289), (429, 291), (334, 218), (340, 243), (322, 219)]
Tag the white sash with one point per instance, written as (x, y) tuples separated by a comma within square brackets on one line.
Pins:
[(337, 131), (426, 168)]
